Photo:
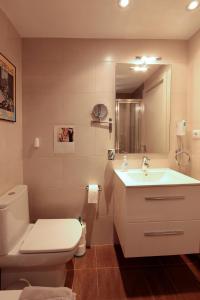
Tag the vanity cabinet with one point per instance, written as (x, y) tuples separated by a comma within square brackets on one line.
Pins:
[(157, 220)]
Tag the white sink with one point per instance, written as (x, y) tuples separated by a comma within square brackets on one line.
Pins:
[(154, 177)]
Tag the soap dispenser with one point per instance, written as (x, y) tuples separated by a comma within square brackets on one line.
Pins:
[(124, 165)]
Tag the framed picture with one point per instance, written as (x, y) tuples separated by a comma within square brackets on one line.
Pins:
[(7, 90), (64, 139)]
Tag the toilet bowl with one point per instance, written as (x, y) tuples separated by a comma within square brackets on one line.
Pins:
[(37, 252)]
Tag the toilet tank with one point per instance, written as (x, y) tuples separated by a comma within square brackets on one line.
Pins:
[(14, 217)]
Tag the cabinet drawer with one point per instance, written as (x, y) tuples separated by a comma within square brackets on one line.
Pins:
[(161, 238), (163, 203)]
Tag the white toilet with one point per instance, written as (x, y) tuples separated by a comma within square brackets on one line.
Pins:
[(37, 252), (10, 295)]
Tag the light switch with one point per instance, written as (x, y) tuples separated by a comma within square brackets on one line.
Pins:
[(196, 133)]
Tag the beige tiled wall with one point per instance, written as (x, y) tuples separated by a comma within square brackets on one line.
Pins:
[(193, 106), (62, 80), (11, 133)]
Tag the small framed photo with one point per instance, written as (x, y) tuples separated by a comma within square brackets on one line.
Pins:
[(7, 90), (64, 139)]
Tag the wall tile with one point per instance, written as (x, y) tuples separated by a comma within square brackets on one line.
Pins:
[(105, 77), (11, 170), (82, 170), (45, 134), (85, 137), (62, 80), (103, 140), (102, 231), (193, 105), (56, 202), (179, 78), (44, 172)]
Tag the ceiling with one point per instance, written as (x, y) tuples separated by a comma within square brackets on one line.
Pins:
[(127, 81), (159, 19)]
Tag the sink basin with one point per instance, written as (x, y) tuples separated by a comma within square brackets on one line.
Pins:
[(154, 177)]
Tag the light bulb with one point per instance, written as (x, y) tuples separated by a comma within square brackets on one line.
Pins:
[(123, 3), (141, 60), (193, 5), (149, 59), (141, 68)]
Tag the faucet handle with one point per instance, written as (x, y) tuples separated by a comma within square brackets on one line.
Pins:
[(146, 161), (146, 158)]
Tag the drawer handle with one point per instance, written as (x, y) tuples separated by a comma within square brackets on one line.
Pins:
[(165, 198), (164, 233)]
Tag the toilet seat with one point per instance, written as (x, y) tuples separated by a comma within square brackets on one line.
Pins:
[(52, 235)]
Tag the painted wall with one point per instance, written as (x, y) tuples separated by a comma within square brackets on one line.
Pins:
[(62, 80), (194, 102), (11, 133)]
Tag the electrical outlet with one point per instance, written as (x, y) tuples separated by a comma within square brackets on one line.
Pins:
[(196, 133)]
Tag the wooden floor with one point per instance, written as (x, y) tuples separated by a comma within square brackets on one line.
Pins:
[(104, 274)]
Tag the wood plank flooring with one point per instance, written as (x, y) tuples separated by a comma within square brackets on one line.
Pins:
[(104, 274)]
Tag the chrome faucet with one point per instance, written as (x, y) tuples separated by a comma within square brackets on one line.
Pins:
[(145, 163)]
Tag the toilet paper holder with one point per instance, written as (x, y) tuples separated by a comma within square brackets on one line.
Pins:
[(99, 187)]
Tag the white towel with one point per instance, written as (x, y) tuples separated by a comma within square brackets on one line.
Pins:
[(47, 293)]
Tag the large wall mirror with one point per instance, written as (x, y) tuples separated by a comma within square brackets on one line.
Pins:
[(143, 109)]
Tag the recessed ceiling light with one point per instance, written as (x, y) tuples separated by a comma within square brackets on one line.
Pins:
[(123, 3), (193, 5)]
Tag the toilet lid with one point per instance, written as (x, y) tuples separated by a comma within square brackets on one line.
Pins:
[(52, 235), (10, 295)]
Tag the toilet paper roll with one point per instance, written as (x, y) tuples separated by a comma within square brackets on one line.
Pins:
[(36, 142), (93, 193)]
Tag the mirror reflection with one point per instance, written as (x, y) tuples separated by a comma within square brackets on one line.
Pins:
[(142, 108)]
